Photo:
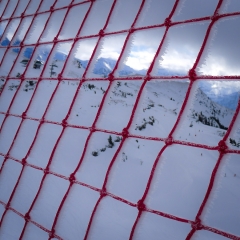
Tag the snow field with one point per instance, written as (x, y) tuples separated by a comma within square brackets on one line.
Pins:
[(180, 180)]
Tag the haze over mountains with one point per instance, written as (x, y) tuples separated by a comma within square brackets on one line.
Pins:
[(225, 96), (104, 66)]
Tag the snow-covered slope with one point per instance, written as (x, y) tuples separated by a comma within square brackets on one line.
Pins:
[(159, 104), (102, 67), (225, 94), (180, 181), (159, 107), (205, 121), (210, 113)]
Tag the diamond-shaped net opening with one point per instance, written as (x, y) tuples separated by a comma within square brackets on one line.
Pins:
[(119, 119)]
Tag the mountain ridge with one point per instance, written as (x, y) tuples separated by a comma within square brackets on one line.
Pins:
[(104, 66)]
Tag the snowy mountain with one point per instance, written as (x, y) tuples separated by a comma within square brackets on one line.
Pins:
[(225, 95), (104, 66), (210, 113), (5, 42), (158, 110)]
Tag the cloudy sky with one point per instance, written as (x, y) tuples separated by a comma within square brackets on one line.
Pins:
[(183, 42), (181, 47)]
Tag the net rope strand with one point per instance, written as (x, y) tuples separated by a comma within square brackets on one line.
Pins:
[(125, 31), (72, 175), (124, 133), (140, 205), (22, 120), (9, 18), (22, 78), (168, 141)]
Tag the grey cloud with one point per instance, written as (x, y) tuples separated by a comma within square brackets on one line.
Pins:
[(223, 47), (189, 9)]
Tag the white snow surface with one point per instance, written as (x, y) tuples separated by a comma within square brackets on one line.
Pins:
[(180, 180)]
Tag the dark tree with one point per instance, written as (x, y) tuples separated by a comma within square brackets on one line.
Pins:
[(110, 142), (52, 66)]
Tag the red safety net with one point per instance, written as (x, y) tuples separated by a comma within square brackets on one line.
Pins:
[(34, 135)]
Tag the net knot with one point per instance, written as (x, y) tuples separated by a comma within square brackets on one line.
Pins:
[(22, 15), (52, 8), (131, 30), (110, 77), (59, 76), (46, 170), (215, 17), (27, 217), (103, 192), (197, 225), (41, 121), (55, 39), (92, 129), (169, 141), (148, 78), (64, 122), (168, 22), (101, 33), (192, 74), (24, 161), (21, 44), (24, 115), (52, 234), (22, 77), (222, 147), (72, 178), (125, 133), (140, 205), (7, 206)]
